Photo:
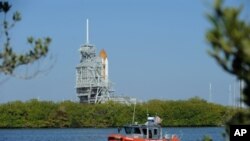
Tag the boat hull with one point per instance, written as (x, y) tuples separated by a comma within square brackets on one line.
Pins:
[(120, 137)]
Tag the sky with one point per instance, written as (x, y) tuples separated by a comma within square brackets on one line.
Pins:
[(156, 49)]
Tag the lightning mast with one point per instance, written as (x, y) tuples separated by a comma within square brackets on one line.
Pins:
[(87, 31)]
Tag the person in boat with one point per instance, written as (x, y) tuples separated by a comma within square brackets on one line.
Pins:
[(150, 134), (119, 129)]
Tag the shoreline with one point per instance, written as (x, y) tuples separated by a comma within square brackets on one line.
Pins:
[(102, 127)]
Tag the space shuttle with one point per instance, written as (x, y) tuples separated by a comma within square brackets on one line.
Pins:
[(104, 60)]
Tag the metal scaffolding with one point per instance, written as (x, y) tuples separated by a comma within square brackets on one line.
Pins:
[(91, 85), (92, 82)]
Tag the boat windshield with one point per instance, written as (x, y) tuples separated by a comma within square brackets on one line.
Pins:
[(132, 130)]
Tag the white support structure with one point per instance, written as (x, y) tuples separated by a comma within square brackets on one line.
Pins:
[(92, 82), (91, 85)]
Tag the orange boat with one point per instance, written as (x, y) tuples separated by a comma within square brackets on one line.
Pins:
[(150, 131)]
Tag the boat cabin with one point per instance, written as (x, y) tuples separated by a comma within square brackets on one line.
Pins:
[(143, 131)]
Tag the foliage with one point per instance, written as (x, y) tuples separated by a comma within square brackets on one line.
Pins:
[(47, 114), (230, 41), (229, 38), (9, 59)]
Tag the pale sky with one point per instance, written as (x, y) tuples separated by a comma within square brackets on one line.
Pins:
[(156, 49)]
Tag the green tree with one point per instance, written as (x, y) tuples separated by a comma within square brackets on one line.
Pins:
[(230, 41), (229, 38), (9, 59)]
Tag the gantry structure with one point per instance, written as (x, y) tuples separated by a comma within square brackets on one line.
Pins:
[(92, 81)]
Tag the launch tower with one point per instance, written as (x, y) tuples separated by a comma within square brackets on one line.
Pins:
[(92, 83)]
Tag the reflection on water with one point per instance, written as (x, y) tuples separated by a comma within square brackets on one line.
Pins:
[(100, 134)]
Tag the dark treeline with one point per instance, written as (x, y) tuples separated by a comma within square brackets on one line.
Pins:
[(47, 114)]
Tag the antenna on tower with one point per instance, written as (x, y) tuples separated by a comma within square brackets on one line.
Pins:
[(210, 92), (241, 89), (234, 96), (87, 31), (230, 96)]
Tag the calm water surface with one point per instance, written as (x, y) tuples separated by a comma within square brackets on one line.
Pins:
[(96, 134)]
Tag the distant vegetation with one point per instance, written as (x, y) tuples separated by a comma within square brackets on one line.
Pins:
[(47, 114)]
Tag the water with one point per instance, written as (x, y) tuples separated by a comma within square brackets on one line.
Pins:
[(96, 134)]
